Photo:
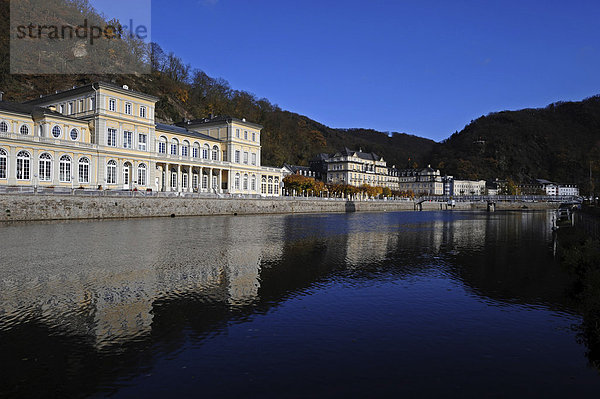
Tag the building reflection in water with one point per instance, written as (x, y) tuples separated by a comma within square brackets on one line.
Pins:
[(128, 287)]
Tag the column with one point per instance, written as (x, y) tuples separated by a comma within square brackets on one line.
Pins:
[(167, 177), (200, 180), (179, 178), (210, 179), (220, 181), (190, 186)]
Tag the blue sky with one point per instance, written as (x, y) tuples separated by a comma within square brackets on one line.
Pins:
[(421, 67)]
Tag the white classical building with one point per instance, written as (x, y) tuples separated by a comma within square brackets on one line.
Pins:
[(105, 136)]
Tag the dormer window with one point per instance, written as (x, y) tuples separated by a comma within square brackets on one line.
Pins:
[(70, 108), (62, 108), (128, 108)]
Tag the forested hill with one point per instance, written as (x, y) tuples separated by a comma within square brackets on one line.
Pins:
[(189, 93), (557, 143)]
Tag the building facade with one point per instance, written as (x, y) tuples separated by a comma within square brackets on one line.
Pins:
[(356, 168), (427, 181), (464, 187), (105, 136)]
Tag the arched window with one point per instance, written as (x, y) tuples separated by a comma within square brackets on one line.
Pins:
[(162, 145), (23, 165), (24, 129), (3, 127), (215, 153), (245, 182), (204, 181), (276, 186), (45, 167), (65, 169), (56, 131), (142, 174), (196, 150), (173, 178), (237, 181), (184, 178), (175, 147), (3, 164), (84, 170), (263, 185), (111, 172), (74, 134), (205, 151), (185, 148), (253, 183), (270, 185)]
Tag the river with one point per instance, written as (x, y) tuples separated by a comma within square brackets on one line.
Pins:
[(427, 304)]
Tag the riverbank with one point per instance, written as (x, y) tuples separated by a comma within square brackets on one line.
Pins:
[(26, 207)]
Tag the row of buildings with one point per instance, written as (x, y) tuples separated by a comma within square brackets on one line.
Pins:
[(105, 136), (356, 168)]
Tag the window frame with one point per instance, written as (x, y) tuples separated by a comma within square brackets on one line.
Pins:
[(142, 143), (128, 139), (65, 169), (111, 133), (26, 127), (83, 165), (45, 171), (111, 171), (25, 166), (76, 134), (3, 164), (142, 177)]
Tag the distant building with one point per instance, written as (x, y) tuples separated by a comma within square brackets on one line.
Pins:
[(455, 187), (547, 187), (426, 181), (491, 188), (393, 179), (356, 168), (297, 170), (318, 164)]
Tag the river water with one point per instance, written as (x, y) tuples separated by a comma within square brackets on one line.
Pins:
[(426, 304)]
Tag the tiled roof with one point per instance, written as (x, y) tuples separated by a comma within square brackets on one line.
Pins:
[(218, 120), (87, 88), (362, 155), (31, 110), (181, 130)]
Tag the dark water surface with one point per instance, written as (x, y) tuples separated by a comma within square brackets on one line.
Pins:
[(420, 304)]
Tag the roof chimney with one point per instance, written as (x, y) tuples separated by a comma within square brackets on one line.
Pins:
[(1, 94)]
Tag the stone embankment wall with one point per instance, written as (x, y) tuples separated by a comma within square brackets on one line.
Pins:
[(20, 207)]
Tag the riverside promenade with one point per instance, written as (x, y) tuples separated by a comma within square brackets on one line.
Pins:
[(80, 204)]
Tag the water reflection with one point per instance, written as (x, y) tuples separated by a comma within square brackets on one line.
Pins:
[(86, 306)]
